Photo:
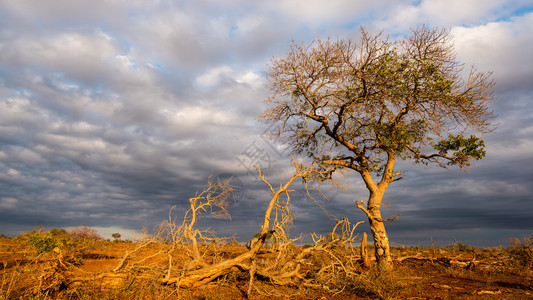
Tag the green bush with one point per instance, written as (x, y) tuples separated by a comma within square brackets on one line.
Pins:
[(47, 241), (42, 242), (54, 231), (58, 232)]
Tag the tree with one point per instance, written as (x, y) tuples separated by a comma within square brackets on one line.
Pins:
[(116, 236), (364, 106)]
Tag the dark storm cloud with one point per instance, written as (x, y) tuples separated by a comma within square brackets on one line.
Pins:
[(112, 112)]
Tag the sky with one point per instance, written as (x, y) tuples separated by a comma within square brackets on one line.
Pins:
[(112, 112)]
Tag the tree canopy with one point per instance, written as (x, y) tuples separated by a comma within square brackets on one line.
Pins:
[(357, 105)]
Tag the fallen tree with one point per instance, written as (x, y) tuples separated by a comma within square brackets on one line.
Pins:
[(163, 252), (286, 266)]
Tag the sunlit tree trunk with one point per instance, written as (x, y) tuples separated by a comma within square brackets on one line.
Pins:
[(377, 227), (381, 240)]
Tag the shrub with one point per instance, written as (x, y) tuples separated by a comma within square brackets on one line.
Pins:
[(85, 233), (42, 242), (522, 252), (46, 241), (53, 231), (464, 248), (58, 232)]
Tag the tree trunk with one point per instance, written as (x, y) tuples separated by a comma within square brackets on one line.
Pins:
[(381, 245), (381, 240)]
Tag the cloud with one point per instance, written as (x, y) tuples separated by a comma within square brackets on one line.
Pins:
[(316, 14), (111, 112), (60, 11), (445, 13), (501, 47), (225, 75), (78, 56), (7, 203)]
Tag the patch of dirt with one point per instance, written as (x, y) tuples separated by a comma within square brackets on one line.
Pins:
[(437, 279)]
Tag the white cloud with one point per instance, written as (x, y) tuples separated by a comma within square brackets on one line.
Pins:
[(196, 121), (226, 76), (13, 173), (178, 38), (315, 13), (61, 10), (215, 76), (458, 11), (515, 148), (16, 111), (250, 23), (503, 47), (80, 56), (28, 157), (125, 61), (445, 13), (251, 78)]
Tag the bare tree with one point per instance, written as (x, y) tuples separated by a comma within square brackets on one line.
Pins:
[(362, 106)]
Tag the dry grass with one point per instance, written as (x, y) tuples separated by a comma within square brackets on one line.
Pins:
[(499, 273)]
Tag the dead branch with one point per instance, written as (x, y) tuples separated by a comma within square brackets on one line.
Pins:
[(364, 251), (208, 273), (122, 262), (288, 265)]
